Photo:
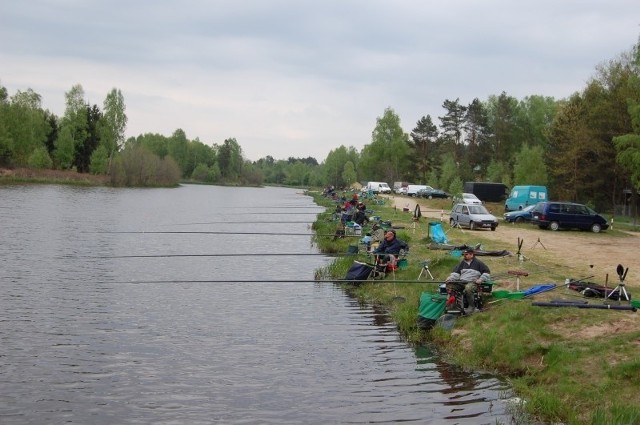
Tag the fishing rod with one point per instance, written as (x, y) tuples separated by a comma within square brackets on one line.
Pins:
[(272, 207), (266, 281), (597, 306), (245, 222), (222, 232), (261, 254), (272, 213)]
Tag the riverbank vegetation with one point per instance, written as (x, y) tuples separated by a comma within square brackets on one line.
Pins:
[(568, 365), (533, 140)]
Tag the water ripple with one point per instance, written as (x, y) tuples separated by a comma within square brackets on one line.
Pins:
[(78, 344)]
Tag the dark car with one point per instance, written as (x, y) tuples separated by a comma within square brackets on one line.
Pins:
[(431, 193), (519, 216), (567, 215)]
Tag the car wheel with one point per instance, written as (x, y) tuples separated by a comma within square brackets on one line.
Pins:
[(472, 225), (595, 228), (519, 219), (430, 196), (554, 225)]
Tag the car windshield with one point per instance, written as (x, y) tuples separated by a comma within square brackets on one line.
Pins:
[(529, 208), (478, 209)]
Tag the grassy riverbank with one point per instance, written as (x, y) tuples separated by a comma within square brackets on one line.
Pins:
[(571, 365), (37, 176)]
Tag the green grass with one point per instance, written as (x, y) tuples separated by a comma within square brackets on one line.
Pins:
[(573, 366)]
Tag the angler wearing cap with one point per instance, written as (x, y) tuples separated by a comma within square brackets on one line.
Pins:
[(470, 270), (391, 247)]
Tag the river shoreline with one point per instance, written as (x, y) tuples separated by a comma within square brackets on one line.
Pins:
[(543, 352)]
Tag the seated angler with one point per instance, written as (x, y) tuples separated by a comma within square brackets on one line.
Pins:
[(390, 248), (472, 271)]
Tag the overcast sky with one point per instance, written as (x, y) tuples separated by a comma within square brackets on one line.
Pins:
[(300, 78)]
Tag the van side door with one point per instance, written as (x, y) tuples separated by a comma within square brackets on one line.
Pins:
[(582, 217)]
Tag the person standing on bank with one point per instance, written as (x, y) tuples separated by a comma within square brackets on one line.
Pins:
[(472, 271)]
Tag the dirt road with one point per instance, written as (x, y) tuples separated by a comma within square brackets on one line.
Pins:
[(584, 253)]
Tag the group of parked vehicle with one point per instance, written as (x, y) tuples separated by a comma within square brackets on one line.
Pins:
[(524, 204)]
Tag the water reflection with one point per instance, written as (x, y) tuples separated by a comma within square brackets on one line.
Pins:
[(83, 340)]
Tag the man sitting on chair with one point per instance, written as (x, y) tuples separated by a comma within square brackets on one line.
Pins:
[(390, 248), (472, 271)]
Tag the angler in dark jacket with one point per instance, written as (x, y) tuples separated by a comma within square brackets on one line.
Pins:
[(470, 270), (391, 247)]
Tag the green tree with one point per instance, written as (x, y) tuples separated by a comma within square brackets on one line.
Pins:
[(113, 123), (200, 173), (349, 175), (477, 138), (6, 141), (535, 115), (178, 149), (40, 158), (85, 148), (230, 159), (449, 173), (530, 167), (503, 113), (424, 138), (628, 145), (73, 126), (387, 157), (100, 160), (27, 126), (137, 166), (568, 148), (65, 148), (456, 186), (452, 123), (334, 164), (498, 171), (297, 173)]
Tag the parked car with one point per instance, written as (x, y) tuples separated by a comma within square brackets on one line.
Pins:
[(402, 190), (519, 216), (431, 193), (412, 189), (468, 198), (567, 215), (377, 187), (473, 217)]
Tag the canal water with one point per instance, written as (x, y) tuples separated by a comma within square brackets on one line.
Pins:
[(139, 306)]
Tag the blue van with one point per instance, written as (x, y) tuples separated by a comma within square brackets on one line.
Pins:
[(523, 196), (567, 215)]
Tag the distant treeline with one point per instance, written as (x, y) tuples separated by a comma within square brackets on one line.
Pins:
[(584, 148)]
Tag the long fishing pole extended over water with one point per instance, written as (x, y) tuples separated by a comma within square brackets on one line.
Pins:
[(258, 254), (222, 232)]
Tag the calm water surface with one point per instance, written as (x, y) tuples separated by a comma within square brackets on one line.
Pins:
[(101, 323)]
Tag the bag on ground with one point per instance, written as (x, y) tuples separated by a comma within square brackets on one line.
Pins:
[(432, 306), (358, 272), (437, 233)]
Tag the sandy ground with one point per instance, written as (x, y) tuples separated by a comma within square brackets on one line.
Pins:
[(581, 253)]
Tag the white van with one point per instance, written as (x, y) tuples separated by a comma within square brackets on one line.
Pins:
[(377, 187), (412, 189)]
